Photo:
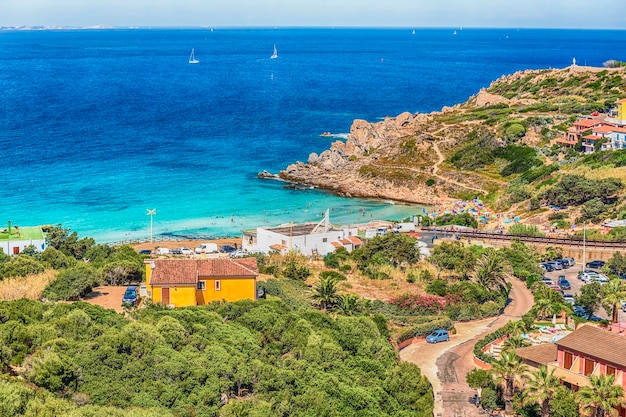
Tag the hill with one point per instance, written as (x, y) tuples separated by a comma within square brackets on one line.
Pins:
[(481, 147)]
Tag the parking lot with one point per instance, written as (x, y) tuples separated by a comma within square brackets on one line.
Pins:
[(571, 274)]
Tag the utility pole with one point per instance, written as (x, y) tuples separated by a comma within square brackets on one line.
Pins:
[(151, 213)]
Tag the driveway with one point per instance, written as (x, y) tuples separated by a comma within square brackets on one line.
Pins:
[(446, 364)]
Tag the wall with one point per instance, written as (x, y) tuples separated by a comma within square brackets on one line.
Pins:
[(231, 289), (180, 295)]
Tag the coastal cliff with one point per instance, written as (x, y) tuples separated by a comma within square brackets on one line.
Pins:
[(411, 157)]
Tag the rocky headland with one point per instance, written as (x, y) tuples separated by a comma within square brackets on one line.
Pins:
[(408, 157)]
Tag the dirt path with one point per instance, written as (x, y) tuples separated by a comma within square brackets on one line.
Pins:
[(447, 365)]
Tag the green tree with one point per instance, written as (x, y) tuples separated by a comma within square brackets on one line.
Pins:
[(612, 293), (20, 266), (506, 370), (491, 270), (548, 302), (295, 270), (325, 293), (410, 388), (542, 388), (515, 342), (564, 404), (393, 248), (453, 257), (601, 397), (589, 298), (478, 379), (617, 263)]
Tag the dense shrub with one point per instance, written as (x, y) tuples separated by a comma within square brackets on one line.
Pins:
[(72, 283), (478, 348), (20, 266), (576, 190), (525, 230), (461, 219)]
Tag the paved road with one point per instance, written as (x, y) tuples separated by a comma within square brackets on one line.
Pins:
[(447, 364)]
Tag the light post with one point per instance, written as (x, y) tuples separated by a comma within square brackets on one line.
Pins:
[(584, 245), (151, 213)]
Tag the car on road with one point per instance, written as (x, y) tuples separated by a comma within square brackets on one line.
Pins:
[(144, 252), (437, 336), (564, 283), (130, 295), (594, 264)]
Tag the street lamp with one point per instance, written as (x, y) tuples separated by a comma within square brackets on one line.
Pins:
[(151, 213)]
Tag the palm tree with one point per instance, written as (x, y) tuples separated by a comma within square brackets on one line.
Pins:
[(542, 388), (548, 302), (491, 270), (515, 328), (613, 292), (348, 303), (601, 397), (515, 342), (325, 292), (506, 370)]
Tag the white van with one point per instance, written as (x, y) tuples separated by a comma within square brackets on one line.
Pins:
[(162, 251), (207, 248)]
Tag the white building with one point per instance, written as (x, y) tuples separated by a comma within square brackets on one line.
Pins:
[(309, 238), (13, 240)]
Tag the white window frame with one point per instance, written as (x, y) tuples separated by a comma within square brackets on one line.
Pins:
[(201, 285), (218, 285)]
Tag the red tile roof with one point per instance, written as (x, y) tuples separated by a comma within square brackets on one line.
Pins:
[(596, 343), (542, 354), (336, 244), (604, 129), (345, 241), (587, 122), (186, 271), (278, 246), (355, 240), (593, 137)]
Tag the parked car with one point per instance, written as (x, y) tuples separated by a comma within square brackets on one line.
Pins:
[(130, 295), (186, 251), (623, 302), (564, 263), (555, 265), (228, 249), (144, 252), (571, 261), (587, 277), (163, 251), (564, 283), (547, 267), (547, 281), (207, 248), (595, 264), (176, 252), (569, 298), (438, 336)]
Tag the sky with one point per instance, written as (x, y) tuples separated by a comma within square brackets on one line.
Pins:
[(580, 14)]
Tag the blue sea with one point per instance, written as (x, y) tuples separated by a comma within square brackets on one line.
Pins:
[(97, 126)]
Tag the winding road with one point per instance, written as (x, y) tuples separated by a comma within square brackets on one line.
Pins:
[(446, 365)]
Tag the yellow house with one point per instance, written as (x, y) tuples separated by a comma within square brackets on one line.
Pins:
[(621, 111), (190, 282)]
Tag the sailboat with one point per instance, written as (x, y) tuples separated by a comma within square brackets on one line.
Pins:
[(275, 54), (192, 58), (413, 31)]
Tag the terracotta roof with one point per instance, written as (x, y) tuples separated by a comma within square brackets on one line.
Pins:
[(593, 137), (542, 354), (186, 271), (355, 240), (597, 343), (336, 244), (587, 122), (345, 241), (604, 129)]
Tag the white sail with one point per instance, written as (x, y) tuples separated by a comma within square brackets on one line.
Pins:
[(275, 54), (192, 58)]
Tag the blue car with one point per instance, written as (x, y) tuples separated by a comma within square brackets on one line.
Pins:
[(438, 336), (130, 295)]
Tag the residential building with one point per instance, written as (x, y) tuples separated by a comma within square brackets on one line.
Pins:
[(587, 351), (190, 282), (308, 238), (14, 239)]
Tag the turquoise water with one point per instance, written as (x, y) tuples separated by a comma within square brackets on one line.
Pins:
[(98, 126)]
